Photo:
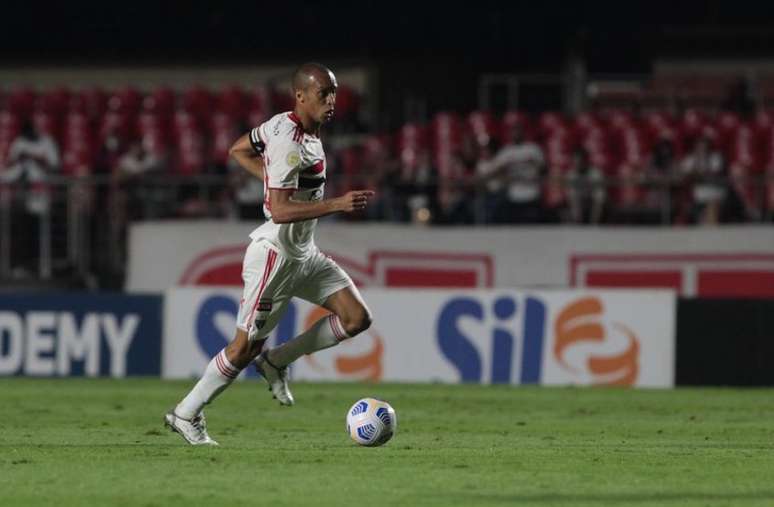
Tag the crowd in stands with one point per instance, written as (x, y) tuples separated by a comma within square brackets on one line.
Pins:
[(162, 154)]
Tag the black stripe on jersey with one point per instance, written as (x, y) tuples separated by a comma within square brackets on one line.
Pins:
[(310, 182), (255, 141)]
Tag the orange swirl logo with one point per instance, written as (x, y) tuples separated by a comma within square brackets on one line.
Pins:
[(365, 366), (581, 323)]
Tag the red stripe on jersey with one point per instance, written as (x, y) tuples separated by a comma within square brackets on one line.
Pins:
[(266, 271), (318, 167), (295, 119)]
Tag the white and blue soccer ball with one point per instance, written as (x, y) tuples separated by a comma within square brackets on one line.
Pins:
[(371, 422)]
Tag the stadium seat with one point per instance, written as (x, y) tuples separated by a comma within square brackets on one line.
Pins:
[(232, 102), (77, 159), (21, 101), (189, 144), (411, 140), (281, 100), (256, 116), (223, 135), (259, 98), (153, 131), (47, 123), (482, 127), (91, 102), (126, 101), (197, 101), (54, 101), (347, 102), (160, 101), (116, 122), (9, 129), (550, 122), (446, 140)]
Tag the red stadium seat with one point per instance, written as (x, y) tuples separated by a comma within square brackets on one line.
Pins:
[(586, 122), (54, 101), (126, 101), (154, 133), (634, 146), (190, 147), (483, 127), (118, 123), (410, 141), (693, 124), (658, 121), (256, 116), (347, 101), (197, 101), (160, 101), (550, 122), (91, 102), (78, 150), (223, 135), (376, 146), (619, 119), (9, 129), (21, 101), (232, 102), (514, 119), (281, 100), (77, 159), (47, 123), (259, 98)]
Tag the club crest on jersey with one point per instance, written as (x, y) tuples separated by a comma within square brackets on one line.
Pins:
[(263, 307), (293, 159)]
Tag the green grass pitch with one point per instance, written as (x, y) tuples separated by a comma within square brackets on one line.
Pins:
[(101, 442)]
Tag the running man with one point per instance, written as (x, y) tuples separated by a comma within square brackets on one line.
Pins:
[(282, 260)]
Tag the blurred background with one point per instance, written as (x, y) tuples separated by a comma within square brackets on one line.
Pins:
[(513, 146)]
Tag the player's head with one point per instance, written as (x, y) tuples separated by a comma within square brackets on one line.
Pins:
[(314, 87)]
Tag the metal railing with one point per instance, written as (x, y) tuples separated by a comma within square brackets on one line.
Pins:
[(77, 227)]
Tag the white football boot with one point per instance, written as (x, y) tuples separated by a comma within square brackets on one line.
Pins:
[(194, 431), (277, 379)]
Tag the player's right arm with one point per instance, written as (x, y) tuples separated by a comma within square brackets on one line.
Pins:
[(248, 153), (285, 210)]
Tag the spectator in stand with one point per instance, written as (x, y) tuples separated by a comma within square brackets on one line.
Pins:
[(381, 171), (486, 190), (739, 98), (662, 170), (32, 159), (110, 151), (415, 188), (454, 194), (586, 190), (704, 171), (517, 169), (247, 191), (127, 180)]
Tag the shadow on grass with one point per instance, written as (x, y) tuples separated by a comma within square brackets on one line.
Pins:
[(468, 498)]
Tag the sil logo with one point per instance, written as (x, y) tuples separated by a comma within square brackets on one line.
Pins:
[(579, 328), (360, 358), (582, 341)]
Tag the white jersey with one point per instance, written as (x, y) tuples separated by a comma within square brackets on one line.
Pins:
[(293, 160)]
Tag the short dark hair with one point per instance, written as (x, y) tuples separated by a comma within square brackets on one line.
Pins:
[(305, 71)]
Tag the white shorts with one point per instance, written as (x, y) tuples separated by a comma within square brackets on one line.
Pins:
[(271, 280)]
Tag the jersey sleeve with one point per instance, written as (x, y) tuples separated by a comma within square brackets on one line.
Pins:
[(283, 163)]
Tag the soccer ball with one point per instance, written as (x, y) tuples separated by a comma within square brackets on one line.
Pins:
[(371, 422)]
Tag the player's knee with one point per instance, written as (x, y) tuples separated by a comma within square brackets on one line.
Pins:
[(358, 321), (242, 349)]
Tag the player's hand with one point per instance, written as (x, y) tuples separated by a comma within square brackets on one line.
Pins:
[(355, 200)]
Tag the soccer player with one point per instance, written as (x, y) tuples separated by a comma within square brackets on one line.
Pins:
[(282, 260)]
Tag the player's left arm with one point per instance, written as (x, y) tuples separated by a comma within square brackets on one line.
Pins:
[(248, 155)]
